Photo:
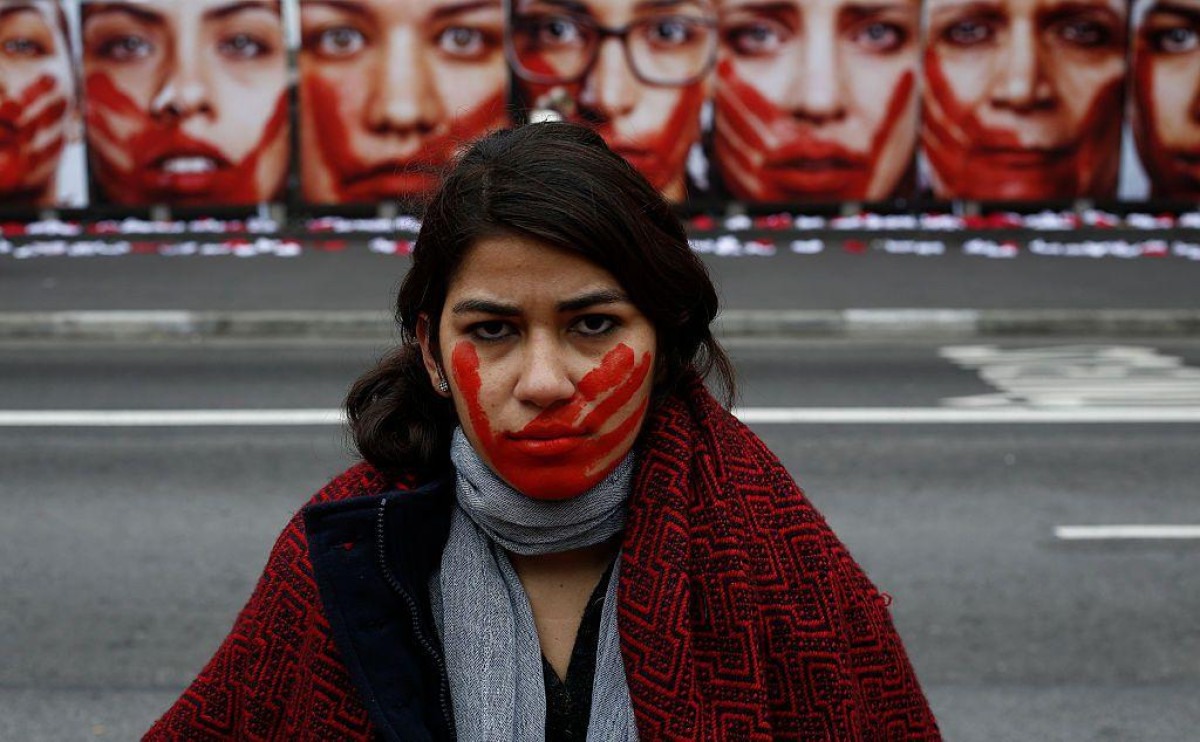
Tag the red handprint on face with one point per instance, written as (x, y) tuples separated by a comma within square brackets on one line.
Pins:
[(135, 155), (33, 132), (568, 447)]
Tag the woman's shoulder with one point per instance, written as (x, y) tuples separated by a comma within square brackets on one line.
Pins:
[(360, 480)]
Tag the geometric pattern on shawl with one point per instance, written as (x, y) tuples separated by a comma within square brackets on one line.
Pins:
[(743, 617)]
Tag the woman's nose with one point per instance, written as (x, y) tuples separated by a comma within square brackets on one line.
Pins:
[(185, 91), (1022, 84), (610, 88), (406, 99), (545, 377)]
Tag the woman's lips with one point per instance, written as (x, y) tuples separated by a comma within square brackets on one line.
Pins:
[(1020, 158), (548, 438), (180, 166), (392, 179)]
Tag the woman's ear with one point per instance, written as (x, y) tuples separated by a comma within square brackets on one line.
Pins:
[(433, 364)]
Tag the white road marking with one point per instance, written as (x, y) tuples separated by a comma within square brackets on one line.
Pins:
[(1125, 532), (749, 415)]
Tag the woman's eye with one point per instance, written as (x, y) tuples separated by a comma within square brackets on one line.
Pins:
[(558, 31), (340, 42), (462, 41), (493, 330), (880, 37), (595, 324), (968, 33), (1175, 40), (1085, 33), (243, 46), (753, 39), (670, 31), (126, 48), (24, 47)]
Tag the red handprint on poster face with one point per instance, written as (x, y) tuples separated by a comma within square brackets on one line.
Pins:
[(1023, 103), (187, 101), (37, 102)]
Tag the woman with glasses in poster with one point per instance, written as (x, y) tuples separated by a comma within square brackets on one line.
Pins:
[(816, 100), (1022, 98), (1166, 85), (39, 117), (635, 70), (186, 101), (389, 90)]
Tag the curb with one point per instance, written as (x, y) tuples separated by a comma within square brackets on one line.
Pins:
[(150, 326)]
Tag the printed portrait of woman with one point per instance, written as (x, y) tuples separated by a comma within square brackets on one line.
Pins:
[(638, 71), (40, 127), (1166, 85), (389, 91), (1023, 98), (816, 100), (186, 101)]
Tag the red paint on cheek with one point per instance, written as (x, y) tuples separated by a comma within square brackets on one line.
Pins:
[(568, 448), (26, 170), (360, 163), (960, 149), (758, 143), (129, 146)]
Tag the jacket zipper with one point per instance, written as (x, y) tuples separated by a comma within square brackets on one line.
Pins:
[(414, 613)]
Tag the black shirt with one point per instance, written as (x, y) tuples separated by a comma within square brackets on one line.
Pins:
[(569, 702)]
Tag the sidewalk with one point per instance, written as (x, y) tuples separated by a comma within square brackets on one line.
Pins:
[(836, 293)]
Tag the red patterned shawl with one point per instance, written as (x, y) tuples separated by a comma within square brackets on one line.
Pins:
[(742, 616)]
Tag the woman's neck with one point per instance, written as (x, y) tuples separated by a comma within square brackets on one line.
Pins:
[(558, 586)]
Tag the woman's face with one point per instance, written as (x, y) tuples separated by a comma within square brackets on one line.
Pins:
[(1166, 68), (816, 99), (652, 125), (389, 91), (550, 365), (1022, 98), (37, 100), (187, 100)]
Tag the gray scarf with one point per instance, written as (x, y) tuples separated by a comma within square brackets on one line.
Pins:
[(493, 656)]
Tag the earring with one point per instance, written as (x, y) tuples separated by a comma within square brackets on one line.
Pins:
[(443, 385)]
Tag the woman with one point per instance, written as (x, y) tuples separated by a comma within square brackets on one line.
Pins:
[(389, 90), (39, 117), (558, 532), (636, 70), (816, 100), (1166, 74), (1023, 98), (186, 101)]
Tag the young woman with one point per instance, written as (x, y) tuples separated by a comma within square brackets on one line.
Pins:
[(389, 90), (816, 100), (1022, 98), (39, 112), (186, 101), (636, 70), (557, 532), (1166, 86)]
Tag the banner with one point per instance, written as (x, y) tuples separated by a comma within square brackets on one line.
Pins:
[(1165, 119), (41, 150), (390, 90), (186, 101), (1023, 99), (816, 100), (638, 72)]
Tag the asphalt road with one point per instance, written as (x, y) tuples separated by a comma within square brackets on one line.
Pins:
[(127, 551)]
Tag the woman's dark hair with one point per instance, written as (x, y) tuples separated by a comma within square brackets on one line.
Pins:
[(557, 184)]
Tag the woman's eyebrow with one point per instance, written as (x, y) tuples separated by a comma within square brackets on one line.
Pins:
[(131, 9), (345, 6), (233, 8), (485, 306), (1188, 12), (468, 6), (591, 299)]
